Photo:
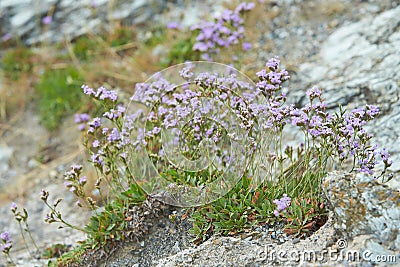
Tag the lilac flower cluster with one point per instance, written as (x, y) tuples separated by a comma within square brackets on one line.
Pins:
[(74, 182), (225, 31), (340, 134), (281, 204), (6, 37), (101, 93), (271, 81), (187, 105), (47, 20), (81, 119), (113, 114), (6, 242), (173, 25)]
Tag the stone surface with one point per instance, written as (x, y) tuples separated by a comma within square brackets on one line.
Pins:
[(23, 18), (256, 251), (5, 157), (70, 18), (364, 207)]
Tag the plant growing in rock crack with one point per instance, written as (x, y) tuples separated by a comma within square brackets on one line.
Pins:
[(295, 171), (261, 180)]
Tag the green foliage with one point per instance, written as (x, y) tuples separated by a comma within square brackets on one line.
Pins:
[(304, 216), (243, 207), (85, 47), (121, 35), (59, 94), (70, 258), (55, 251), (17, 61), (182, 51), (202, 177), (158, 36), (110, 224)]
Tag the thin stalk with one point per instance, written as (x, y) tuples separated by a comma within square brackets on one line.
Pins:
[(30, 236), (24, 239), (62, 220)]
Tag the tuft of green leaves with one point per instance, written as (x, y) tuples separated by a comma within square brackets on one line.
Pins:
[(121, 35), (85, 47), (243, 208), (110, 224), (18, 61), (58, 95), (55, 251), (182, 51)]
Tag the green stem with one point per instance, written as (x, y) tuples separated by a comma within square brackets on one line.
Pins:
[(23, 237), (11, 260), (30, 236), (62, 220)]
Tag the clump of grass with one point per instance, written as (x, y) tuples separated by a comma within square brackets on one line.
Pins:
[(156, 35), (121, 35), (18, 61), (85, 47), (243, 207), (58, 95), (55, 251), (182, 51)]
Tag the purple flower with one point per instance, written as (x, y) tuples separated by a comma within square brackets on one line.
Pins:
[(282, 203), (246, 46), (106, 94), (273, 63), (226, 30), (372, 111), (6, 37), (13, 206), (185, 73), (83, 180), (114, 135), (76, 167), (87, 90), (173, 25), (81, 127), (276, 213), (96, 143), (5, 248), (245, 6), (47, 20), (79, 118), (313, 93), (95, 123), (5, 236)]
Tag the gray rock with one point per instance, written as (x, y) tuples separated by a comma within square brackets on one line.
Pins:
[(363, 206), (71, 18), (5, 156)]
